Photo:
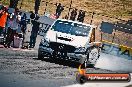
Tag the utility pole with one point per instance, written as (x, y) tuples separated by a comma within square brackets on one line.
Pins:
[(92, 17), (70, 8), (37, 4)]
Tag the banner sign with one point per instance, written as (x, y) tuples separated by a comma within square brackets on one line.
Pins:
[(117, 50), (124, 28), (107, 27)]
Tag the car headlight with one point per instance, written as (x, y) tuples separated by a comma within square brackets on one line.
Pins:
[(45, 42), (80, 50)]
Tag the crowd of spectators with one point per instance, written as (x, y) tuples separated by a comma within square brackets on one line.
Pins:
[(14, 24)]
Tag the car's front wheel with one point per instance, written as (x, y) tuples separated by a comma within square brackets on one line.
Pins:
[(93, 54)]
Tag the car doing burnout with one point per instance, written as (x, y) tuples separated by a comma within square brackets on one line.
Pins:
[(70, 40)]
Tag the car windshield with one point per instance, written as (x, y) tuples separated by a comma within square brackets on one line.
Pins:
[(71, 28)]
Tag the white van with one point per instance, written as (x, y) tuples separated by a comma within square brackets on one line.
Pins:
[(70, 40)]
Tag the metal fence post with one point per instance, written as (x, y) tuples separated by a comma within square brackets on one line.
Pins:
[(113, 37), (21, 4), (69, 9), (92, 18)]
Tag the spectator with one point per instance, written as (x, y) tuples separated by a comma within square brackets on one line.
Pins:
[(12, 24), (32, 15), (17, 11), (81, 16), (34, 32), (3, 18), (73, 14), (59, 9), (20, 18), (23, 25)]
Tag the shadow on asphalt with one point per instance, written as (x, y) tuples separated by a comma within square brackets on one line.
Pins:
[(60, 62), (129, 86), (63, 62)]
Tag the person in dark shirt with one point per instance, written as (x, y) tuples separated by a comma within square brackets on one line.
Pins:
[(34, 32), (81, 16), (23, 25), (73, 14), (32, 15), (59, 9)]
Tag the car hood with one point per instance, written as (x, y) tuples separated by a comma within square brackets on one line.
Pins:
[(73, 40)]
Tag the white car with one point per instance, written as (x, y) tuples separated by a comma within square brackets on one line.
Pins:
[(70, 40)]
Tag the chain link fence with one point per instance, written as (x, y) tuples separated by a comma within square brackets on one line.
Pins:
[(118, 36)]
